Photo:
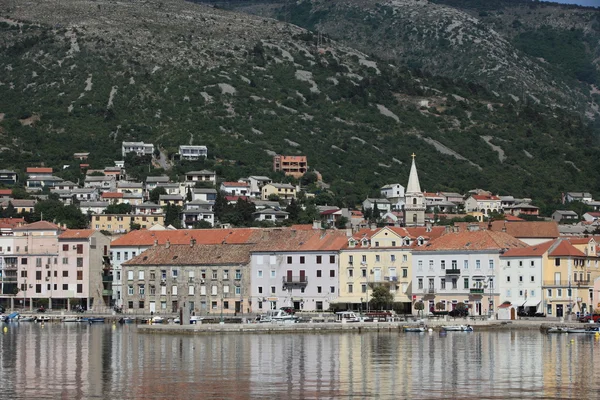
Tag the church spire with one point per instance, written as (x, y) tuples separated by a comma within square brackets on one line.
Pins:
[(413, 179)]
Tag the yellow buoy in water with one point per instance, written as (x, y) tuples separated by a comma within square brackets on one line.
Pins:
[(5, 330)]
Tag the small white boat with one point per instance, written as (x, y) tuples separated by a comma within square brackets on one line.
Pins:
[(414, 329), (42, 319), (25, 319), (557, 329), (346, 316), (74, 319), (280, 316), (196, 319), (458, 328), (158, 320)]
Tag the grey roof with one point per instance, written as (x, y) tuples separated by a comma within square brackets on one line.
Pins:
[(579, 194), (83, 190), (270, 211), (204, 190), (260, 178), (391, 185), (203, 172), (132, 195), (523, 205), (136, 185), (199, 202), (44, 178), (99, 178), (170, 197), (283, 185), (565, 212), (507, 198), (168, 185), (265, 203), (157, 179), (7, 171), (84, 204), (147, 204), (451, 194), (379, 201), (19, 202)]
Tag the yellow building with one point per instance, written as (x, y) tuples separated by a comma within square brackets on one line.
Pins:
[(381, 257), (570, 267), (121, 223), (284, 191)]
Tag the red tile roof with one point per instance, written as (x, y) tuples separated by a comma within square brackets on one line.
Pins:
[(11, 223), (304, 240), (39, 170), (531, 251), (244, 184), (5, 192), (236, 198), (476, 240), (302, 227), (112, 195), (528, 229), (513, 218), (38, 226), (202, 236), (566, 249), (484, 197), (197, 254), (76, 234)]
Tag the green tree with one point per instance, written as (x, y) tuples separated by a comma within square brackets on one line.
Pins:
[(134, 227), (439, 306), (188, 195), (155, 194), (294, 210), (341, 222), (202, 224), (308, 178), (273, 197), (172, 215), (382, 297), (221, 206), (309, 214), (9, 211), (419, 306), (376, 216)]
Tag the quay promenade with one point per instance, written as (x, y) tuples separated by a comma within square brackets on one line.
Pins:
[(358, 327)]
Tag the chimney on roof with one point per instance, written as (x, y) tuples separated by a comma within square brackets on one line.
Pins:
[(473, 228), (155, 242), (192, 242), (504, 227), (428, 226), (348, 232), (373, 227), (168, 244), (316, 224)]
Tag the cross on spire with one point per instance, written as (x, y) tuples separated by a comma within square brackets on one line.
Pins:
[(413, 155)]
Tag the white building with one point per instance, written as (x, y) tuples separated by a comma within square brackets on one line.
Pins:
[(460, 268), (256, 183), (485, 204), (392, 190), (188, 152), (192, 177), (196, 211), (139, 148), (235, 188), (520, 278), (414, 209)]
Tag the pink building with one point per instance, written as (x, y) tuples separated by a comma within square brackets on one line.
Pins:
[(59, 269)]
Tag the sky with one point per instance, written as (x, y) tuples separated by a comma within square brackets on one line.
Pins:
[(590, 3)]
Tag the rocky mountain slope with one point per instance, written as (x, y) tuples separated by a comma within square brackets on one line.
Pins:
[(83, 75)]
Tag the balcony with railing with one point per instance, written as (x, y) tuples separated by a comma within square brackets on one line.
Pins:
[(566, 283), (453, 271), (429, 290), (295, 281), (476, 290)]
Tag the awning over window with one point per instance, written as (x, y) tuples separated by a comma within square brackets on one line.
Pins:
[(518, 303), (531, 303)]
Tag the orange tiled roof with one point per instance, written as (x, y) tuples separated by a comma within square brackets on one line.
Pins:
[(566, 249), (531, 251), (198, 254), (528, 229), (112, 195), (484, 197), (509, 217), (302, 227), (76, 234), (39, 170), (5, 192), (202, 236), (476, 240), (40, 225), (235, 184), (578, 240), (304, 240)]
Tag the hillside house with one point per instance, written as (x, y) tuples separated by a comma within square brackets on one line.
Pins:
[(565, 216), (295, 166), (8, 177), (139, 148), (206, 176), (235, 188), (284, 191), (189, 152)]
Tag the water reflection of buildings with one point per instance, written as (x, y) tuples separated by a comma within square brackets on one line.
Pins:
[(77, 361)]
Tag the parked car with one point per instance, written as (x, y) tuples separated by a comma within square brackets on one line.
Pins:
[(587, 318), (2, 310)]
